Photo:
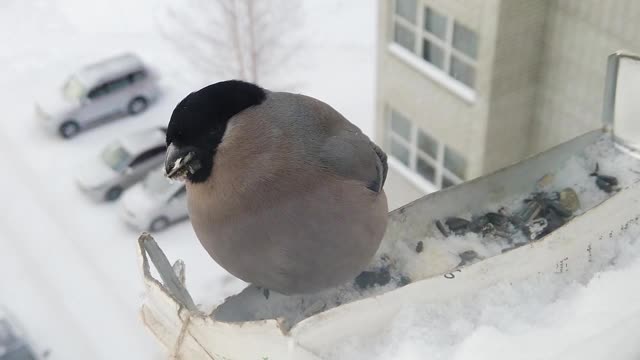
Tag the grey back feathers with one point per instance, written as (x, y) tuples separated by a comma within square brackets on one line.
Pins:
[(321, 134)]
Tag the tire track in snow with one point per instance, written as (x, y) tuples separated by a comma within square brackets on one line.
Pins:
[(84, 289), (10, 243)]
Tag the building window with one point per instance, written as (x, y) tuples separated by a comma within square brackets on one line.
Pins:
[(437, 38), (422, 153)]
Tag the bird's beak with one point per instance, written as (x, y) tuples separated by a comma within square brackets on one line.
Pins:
[(179, 161)]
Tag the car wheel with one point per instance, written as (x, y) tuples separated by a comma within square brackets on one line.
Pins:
[(69, 129), (113, 194), (159, 224), (137, 105)]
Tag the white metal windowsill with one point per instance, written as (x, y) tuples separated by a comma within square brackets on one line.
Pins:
[(422, 184), (434, 73)]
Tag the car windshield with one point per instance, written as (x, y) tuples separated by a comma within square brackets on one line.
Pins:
[(156, 183), (6, 335), (116, 156), (73, 89)]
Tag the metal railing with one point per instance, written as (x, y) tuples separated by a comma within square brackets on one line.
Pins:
[(621, 105)]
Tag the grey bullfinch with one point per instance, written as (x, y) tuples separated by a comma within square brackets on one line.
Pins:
[(283, 191)]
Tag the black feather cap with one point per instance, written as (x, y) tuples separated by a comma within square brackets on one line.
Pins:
[(201, 118)]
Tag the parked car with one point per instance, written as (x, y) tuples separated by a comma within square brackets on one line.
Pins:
[(13, 344), (99, 92), (155, 203), (122, 163)]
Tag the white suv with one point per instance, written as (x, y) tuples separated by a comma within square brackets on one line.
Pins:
[(97, 93), (155, 203), (122, 163)]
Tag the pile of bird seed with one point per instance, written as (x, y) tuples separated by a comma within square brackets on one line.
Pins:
[(581, 183), (541, 213)]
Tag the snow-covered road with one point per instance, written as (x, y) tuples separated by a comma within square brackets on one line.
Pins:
[(77, 303), (68, 267)]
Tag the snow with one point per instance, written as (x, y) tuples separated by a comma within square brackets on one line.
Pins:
[(68, 267), (537, 318)]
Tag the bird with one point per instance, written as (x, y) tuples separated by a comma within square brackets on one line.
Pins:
[(283, 191)]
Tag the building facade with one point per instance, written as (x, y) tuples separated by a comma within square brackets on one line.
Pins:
[(465, 87)]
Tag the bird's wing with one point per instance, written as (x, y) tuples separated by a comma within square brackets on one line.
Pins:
[(351, 155), (343, 149)]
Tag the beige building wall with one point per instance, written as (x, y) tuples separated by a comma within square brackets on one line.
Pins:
[(439, 111), (442, 113), (579, 36), (516, 70)]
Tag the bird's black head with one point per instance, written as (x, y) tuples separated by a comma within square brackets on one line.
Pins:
[(198, 124)]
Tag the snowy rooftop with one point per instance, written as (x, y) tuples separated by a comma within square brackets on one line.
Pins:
[(143, 139)]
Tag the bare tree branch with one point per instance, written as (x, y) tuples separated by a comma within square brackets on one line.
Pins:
[(251, 40)]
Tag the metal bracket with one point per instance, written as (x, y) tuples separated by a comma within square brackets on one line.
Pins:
[(609, 102)]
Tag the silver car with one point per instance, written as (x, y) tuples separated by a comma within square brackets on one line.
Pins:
[(99, 92), (122, 163), (155, 203)]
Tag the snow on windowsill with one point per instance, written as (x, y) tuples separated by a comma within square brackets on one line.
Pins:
[(415, 179), (434, 73)]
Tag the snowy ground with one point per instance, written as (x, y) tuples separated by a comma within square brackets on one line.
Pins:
[(68, 266)]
